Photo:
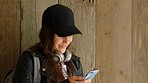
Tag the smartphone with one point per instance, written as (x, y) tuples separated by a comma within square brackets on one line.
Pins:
[(91, 74)]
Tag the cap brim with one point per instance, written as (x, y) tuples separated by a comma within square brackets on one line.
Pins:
[(67, 31)]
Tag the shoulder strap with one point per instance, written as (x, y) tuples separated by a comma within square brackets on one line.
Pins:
[(37, 75)]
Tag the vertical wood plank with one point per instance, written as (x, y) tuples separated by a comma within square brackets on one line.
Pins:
[(28, 24), (9, 35), (41, 5), (113, 41), (140, 41), (31, 20), (84, 46)]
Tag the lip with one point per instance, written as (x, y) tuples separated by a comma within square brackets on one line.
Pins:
[(63, 46)]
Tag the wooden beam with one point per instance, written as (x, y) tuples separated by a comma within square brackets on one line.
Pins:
[(32, 11), (84, 45), (113, 41), (140, 41), (9, 35)]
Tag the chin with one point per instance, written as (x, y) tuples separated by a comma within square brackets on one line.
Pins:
[(62, 51)]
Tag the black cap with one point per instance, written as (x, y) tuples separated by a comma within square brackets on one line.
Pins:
[(60, 19)]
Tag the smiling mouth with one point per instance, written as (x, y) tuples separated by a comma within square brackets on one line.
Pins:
[(63, 46)]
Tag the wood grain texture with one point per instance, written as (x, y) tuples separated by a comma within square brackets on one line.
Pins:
[(140, 41), (9, 35), (113, 41), (31, 20), (84, 45)]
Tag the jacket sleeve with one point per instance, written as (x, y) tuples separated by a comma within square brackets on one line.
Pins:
[(65, 81), (78, 69), (24, 69)]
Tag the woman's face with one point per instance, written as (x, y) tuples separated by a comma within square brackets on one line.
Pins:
[(61, 43)]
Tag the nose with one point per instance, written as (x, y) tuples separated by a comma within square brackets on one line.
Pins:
[(67, 39)]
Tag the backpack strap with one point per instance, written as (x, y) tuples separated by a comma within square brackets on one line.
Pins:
[(37, 75), (8, 77)]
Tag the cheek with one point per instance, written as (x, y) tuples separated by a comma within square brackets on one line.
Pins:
[(71, 40), (56, 43)]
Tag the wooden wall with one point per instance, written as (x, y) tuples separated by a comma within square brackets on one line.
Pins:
[(31, 11), (140, 41), (84, 45), (113, 41), (9, 34), (114, 36)]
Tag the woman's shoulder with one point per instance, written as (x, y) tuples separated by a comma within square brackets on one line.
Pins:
[(34, 51), (30, 53), (75, 56), (76, 59), (25, 56)]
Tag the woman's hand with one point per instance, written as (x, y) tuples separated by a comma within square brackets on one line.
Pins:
[(78, 79)]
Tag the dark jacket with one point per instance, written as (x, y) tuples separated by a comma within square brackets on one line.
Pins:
[(24, 69)]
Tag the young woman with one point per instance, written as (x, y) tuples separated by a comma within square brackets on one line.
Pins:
[(58, 64)]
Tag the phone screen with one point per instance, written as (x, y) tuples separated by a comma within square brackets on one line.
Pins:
[(91, 74)]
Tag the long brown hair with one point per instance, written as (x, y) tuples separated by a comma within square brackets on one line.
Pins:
[(46, 38)]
